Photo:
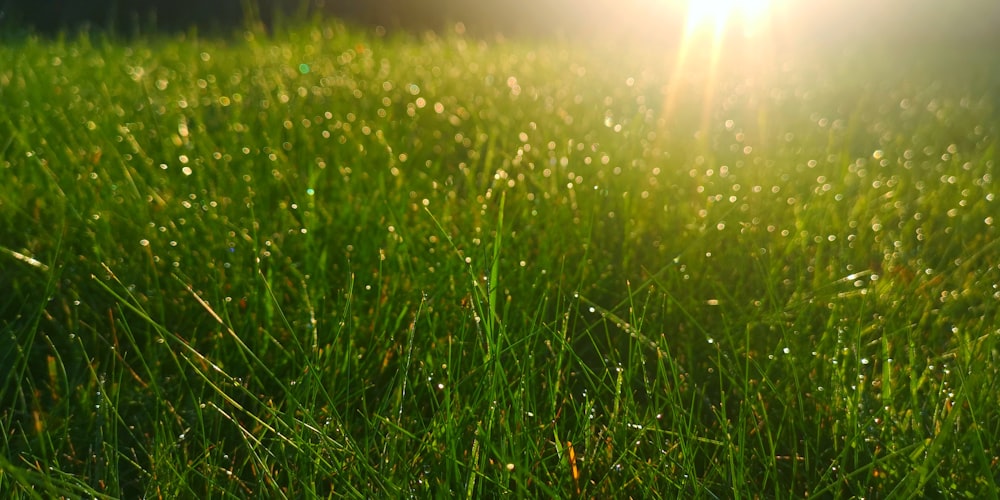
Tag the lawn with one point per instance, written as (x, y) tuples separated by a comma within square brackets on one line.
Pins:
[(328, 262)]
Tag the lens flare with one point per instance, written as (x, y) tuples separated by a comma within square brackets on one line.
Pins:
[(749, 14), (734, 35)]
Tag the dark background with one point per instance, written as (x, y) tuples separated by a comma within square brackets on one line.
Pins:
[(128, 17)]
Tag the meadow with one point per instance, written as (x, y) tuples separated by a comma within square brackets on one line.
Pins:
[(328, 262)]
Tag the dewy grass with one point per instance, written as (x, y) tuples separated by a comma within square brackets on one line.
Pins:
[(329, 263)]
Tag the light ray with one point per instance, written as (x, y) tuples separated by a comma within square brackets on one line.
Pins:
[(707, 43)]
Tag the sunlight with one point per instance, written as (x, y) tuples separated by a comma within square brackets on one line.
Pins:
[(748, 14), (735, 35)]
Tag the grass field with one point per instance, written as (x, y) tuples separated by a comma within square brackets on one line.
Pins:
[(331, 263)]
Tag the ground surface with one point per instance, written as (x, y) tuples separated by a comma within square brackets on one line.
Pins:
[(330, 263)]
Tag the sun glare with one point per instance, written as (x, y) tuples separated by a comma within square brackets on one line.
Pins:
[(718, 36), (717, 14)]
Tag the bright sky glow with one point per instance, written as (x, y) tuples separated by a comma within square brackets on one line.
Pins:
[(717, 34), (717, 14)]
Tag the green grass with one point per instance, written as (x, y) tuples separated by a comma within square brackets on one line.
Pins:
[(329, 263)]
